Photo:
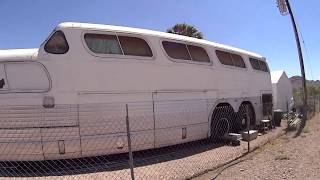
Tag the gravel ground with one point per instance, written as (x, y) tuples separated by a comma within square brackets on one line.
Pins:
[(284, 158)]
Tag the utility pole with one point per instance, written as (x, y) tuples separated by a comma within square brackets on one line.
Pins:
[(284, 7)]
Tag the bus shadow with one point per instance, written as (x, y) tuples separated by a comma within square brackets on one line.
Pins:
[(103, 163)]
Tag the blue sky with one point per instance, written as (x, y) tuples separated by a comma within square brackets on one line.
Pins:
[(253, 25)]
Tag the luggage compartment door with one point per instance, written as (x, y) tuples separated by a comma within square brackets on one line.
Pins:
[(102, 119), (60, 132), (180, 117)]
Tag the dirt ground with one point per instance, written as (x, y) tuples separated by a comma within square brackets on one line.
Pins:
[(284, 158)]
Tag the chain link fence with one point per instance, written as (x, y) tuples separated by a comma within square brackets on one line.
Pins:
[(313, 106), (138, 140)]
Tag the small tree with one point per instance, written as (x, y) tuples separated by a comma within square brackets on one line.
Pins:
[(186, 30)]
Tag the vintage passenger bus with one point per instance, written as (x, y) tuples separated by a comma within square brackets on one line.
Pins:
[(67, 99)]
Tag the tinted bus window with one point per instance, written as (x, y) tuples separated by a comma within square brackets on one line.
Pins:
[(238, 61), (254, 63), (263, 66), (135, 46), (176, 50), (224, 57), (57, 44), (259, 65), (103, 43), (198, 54)]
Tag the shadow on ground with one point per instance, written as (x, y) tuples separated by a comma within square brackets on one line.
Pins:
[(103, 163)]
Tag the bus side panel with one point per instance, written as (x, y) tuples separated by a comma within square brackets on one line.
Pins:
[(180, 117), (20, 136), (60, 143), (20, 144), (20, 116), (116, 143), (102, 119)]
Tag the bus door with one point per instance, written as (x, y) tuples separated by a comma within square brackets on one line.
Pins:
[(267, 106), (3, 78)]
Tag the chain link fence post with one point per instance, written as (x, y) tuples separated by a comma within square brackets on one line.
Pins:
[(129, 144), (248, 126)]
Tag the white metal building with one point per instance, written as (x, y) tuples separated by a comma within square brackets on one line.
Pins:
[(281, 90)]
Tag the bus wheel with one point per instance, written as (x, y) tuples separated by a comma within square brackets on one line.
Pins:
[(241, 121), (220, 122)]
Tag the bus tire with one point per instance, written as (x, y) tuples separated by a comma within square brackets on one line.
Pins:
[(241, 120), (221, 122)]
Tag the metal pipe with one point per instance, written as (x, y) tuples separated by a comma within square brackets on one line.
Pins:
[(248, 125), (304, 84), (129, 144)]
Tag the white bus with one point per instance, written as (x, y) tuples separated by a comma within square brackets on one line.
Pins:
[(67, 99)]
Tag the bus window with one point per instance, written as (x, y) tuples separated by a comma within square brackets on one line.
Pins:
[(254, 63), (176, 50), (263, 66), (57, 44), (259, 65), (27, 77), (198, 54), (224, 57), (103, 43), (135, 46), (238, 61)]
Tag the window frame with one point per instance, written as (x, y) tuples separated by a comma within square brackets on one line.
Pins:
[(117, 56), (231, 66), (49, 38), (185, 61)]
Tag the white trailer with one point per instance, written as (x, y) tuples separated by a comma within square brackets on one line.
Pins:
[(281, 90), (67, 98)]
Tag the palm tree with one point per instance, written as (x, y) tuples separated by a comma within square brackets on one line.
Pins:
[(186, 30)]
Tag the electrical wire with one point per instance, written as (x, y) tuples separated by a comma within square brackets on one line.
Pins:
[(307, 57)]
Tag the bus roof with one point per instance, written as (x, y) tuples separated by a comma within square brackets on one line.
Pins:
[(102, 27)]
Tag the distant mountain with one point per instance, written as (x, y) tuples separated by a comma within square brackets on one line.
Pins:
[(296, 82)]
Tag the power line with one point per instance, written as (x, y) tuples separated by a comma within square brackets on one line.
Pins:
[(306, 51)]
